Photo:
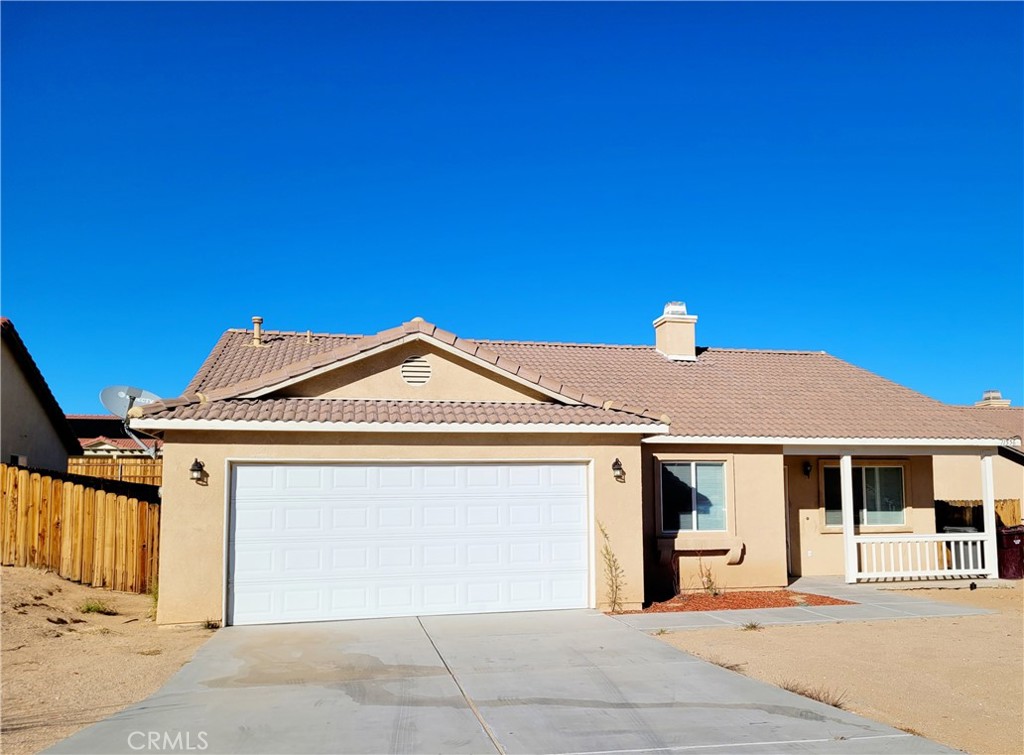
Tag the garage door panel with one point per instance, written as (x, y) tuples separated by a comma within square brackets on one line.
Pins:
[(329, 542), (285, 601), (309, 557)]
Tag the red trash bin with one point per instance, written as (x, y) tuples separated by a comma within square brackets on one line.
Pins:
[(1010, 545)]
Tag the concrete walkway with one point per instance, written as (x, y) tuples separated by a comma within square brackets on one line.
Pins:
[(873, 602), (546, 682)]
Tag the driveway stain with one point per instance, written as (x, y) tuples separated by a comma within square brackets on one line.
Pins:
[(367, 680), (268, 667)]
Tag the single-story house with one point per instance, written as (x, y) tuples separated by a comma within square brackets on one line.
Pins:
[(313, 477), (33, 429)]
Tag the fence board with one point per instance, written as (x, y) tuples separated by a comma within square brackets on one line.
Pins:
[(42, 534), (10, 515), (67, 530), (131, 541), (24, 514), (37, 514), (88, 532), (56, 506), (79, 533), (140, 554), (83, 533), (99, 523), (110, 527), (154, 547)]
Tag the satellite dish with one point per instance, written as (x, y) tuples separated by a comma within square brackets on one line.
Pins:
[(119, 399)]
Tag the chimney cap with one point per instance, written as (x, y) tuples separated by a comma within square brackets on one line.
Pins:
[(675, 311), (257, 320), (992, 397)]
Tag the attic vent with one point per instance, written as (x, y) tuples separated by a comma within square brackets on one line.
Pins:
[(416, 370)]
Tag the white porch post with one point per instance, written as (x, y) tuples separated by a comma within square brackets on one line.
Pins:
[(849, 546), (988, 500)]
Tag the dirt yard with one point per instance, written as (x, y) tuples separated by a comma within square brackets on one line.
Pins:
[(64, 669), (959, 681)]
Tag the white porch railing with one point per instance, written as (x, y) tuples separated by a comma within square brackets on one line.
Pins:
[(920, 556)]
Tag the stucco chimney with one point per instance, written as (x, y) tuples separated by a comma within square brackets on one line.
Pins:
[(257, 331), (992, 398), (675, 333)]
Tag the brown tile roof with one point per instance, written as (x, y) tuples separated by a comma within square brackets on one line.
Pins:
[(1007, 420), (387, 411), (126, 443), (234, 361), (39, 386), (231, 353), (725, 392), (742, 392)]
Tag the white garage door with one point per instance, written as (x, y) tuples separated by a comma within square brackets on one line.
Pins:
[(314, 543)]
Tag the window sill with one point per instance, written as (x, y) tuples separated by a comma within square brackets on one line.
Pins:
[(691, 542)]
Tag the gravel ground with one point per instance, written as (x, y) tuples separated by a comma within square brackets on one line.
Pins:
[(957, 680), (737, 599), (63, 669)]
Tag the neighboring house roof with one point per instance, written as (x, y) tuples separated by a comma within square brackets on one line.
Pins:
[(724, 393), (42, 391), (94, 429), (120, 443)]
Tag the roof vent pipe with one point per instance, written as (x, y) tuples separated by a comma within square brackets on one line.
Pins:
[(257, 331)]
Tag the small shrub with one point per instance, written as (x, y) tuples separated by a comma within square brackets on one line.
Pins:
[(821, 694), (661, 631), (97, 606), (907, 729), (707, 577), (211, 624), (614, 574), (751, 626), (735, 667)]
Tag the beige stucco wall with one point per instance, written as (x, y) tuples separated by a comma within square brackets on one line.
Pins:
[(378, 377), (755, 518), (192, 536), (817, 550), (25, 428), (958, 478)]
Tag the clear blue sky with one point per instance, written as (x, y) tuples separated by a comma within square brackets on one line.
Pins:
[(844, 177)]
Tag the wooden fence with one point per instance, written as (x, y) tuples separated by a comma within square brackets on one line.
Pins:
[(128, 469), (83, 533)]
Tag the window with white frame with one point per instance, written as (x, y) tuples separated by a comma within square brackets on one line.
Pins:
[(692, 496), (878, 496)]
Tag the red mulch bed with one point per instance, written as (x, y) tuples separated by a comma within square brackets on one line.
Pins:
[(727, 601)]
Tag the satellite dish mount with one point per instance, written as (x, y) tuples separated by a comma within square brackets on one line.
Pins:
[(119, 400)]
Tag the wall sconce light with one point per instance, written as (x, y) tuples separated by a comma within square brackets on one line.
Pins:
[(197, 471), (618, 471), (807, 469)]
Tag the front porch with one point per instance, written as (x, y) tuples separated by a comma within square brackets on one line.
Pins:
[(867, 512)]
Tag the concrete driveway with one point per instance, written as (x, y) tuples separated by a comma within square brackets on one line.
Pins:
[(550, 682)]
